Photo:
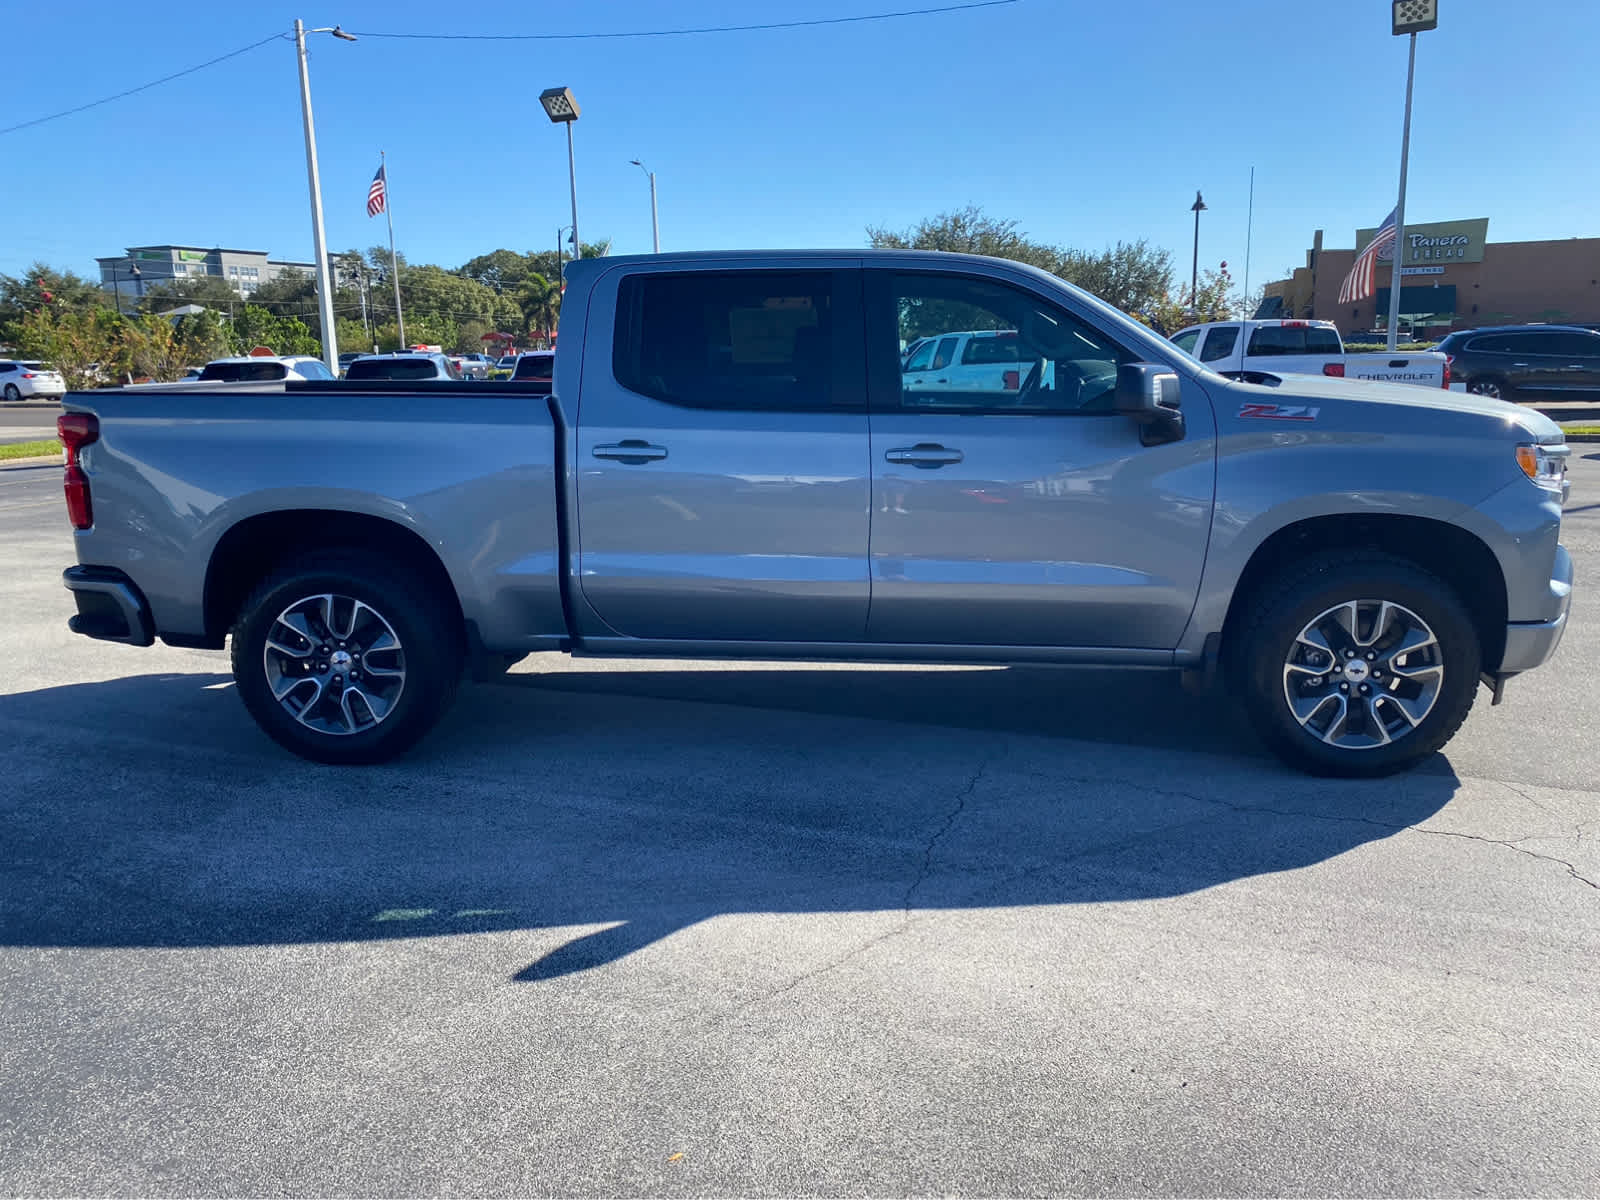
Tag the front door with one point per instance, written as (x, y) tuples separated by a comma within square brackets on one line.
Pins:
[(1028, 515), (722, 456)]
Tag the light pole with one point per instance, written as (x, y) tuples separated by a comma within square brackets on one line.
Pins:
[(655, 221), (1409, 17), (562, 108), (1198, 207), (330, 342)]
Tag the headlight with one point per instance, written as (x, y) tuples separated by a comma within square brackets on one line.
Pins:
[(1545, 465)]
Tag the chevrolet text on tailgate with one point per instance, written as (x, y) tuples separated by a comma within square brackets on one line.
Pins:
[(757, 455)]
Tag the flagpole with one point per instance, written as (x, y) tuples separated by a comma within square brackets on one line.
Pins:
[(1397, 271), (394, 261)]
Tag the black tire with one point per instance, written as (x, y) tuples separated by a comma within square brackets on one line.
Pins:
[(12, 394), (429, 656), (1270, 634), (1488, 385)]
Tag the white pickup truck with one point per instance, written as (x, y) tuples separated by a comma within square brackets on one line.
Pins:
[(1241, 349)]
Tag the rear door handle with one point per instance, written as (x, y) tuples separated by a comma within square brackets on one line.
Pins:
[(632, 451), (926, 455)]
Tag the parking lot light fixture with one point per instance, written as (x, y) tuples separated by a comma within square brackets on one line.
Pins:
[(1407, 18), (561, 106), (655, 222), (330, 341)]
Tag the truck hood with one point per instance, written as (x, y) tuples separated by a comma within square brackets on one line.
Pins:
[(1535, 424)]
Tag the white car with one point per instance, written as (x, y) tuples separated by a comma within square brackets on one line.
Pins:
[(981, 360), (264, 369), (26, 380), (1302, 347)]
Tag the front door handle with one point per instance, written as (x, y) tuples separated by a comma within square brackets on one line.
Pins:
[(632, 451), (926, 455)]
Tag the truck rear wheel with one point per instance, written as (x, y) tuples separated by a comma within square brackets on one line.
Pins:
[(344, 657), (1356, 663)]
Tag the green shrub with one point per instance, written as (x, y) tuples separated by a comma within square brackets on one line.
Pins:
[(1379, 347)]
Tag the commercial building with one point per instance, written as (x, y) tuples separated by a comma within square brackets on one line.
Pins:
[(1452, 277), (139, 267)]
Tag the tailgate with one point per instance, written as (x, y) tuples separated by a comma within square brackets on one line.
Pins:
[(1424, 367)]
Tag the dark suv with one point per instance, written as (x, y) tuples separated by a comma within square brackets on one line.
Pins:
[(1532, 362)]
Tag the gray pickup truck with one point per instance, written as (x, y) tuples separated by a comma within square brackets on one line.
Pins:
[(731, 462)]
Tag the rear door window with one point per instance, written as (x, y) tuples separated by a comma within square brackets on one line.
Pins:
[(1186, 341), (1219, 343), (737, 340), (1278, 340)]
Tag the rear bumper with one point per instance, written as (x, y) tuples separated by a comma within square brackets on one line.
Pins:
[(1531, 643), (110, 606)]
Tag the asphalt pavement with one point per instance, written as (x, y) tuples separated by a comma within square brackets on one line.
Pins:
[(629, 927)]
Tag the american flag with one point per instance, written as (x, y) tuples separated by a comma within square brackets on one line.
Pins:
[(1358, 284), (377, 194)]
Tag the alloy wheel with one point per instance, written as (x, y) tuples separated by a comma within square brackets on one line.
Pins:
[(335, 664), (1363, 674)]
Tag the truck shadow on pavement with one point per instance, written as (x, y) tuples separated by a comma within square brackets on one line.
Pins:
[(149, 812)]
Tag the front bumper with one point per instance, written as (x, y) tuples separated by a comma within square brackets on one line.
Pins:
[(1531, 643), (110, 606)]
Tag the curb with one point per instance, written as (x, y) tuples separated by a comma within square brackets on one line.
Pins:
[(26, 464)]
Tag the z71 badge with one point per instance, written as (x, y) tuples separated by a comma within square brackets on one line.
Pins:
[(1279, 412)]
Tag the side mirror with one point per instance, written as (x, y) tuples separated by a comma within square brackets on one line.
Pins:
[(1150, 394)]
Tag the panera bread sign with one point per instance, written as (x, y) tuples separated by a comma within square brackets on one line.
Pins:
[(1439, 244)]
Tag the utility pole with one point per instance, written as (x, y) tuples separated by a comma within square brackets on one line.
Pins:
[(1198, 207), (330, 343)]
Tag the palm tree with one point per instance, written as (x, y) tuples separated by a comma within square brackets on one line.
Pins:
[(540, 301)]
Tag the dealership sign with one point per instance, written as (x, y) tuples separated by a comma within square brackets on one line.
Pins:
[(1443, 242)]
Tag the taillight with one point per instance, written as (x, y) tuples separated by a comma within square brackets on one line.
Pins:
[(1336, 370), (1011, 381), (1448, 359), (28, 375), (77, 430)]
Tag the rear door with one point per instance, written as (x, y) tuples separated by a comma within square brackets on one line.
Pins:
[(722, 455), (1028, 517)]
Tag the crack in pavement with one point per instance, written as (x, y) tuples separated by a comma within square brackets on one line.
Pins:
[(924, 873)]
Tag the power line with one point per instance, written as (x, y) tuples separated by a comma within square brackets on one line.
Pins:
[(144, 87), (654, 33)]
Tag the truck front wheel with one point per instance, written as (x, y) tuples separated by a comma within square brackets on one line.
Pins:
[(345, 657), (1356, 663)]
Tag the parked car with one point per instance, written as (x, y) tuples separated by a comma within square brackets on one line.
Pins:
[(1526, 362), (733, 465), (473, 366), (1275, 348), (30, 380), (536, 364), (264, 369), (987, 360), (409, 365)]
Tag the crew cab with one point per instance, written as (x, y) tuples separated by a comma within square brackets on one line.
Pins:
[(732, 462), (1241, 349)]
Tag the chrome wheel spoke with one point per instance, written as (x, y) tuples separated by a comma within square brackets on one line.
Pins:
[(328, 684), (1363, 674)]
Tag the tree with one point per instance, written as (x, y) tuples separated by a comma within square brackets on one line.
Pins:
[(40, 285), (540, 301), (201, 336), (256, 326), (1129, 275), (208, 291), (1213, 302), (85, 345), (969, 231)]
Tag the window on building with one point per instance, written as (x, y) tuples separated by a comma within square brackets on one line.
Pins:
[(233, 271)]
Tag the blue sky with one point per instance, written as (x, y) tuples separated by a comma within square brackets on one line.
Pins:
[(1084, 122)]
